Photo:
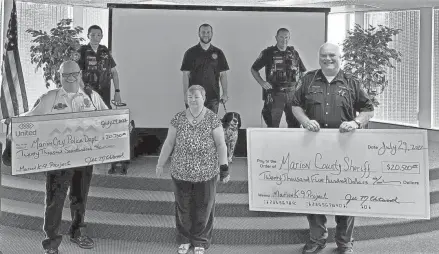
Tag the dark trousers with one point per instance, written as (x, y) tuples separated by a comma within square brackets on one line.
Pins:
[(343, 231), (272, 111), (194, 211), (211, 104), (105, 93), (57, 183)]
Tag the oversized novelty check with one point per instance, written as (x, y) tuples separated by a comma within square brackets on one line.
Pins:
[(372, 173), (51, 142)]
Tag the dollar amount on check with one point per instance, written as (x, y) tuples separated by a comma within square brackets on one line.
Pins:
[(59, 141), (373, 173)]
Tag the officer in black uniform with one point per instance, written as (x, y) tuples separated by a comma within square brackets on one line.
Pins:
[(331, 98), (98, 66), (98, 69), (206, 65), (283, 68)]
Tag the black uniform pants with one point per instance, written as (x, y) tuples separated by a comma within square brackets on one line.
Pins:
[(105, 93), (57, 183), (194, 211), (273, 110)]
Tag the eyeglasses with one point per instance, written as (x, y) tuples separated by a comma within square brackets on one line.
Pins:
[(74, 74)]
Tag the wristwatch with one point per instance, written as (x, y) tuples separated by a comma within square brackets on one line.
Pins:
[(358, 122), (117, 90)]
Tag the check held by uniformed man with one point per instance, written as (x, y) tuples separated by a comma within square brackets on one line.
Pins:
[(67, 131), (331, 166)]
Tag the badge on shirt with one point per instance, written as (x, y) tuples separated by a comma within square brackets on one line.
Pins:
[(92, 60), (75, 56), (87, 102), (214, 56), (60, 106)]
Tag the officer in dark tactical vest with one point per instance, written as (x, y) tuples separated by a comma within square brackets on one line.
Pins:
[(283, 68), (98, 69), (98, 66)]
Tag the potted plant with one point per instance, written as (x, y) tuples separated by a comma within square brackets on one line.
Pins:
[(367, 56), (52, 49)]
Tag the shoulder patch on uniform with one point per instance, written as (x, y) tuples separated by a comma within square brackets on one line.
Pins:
[(37, 102), (260, 55)]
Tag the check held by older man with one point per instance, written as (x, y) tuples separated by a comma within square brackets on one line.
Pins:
[(62, 134), (66, 140)]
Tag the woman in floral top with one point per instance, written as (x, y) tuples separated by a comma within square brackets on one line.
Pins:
[(196, 141)]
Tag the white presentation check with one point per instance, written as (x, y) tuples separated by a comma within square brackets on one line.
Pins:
[(372, 173)]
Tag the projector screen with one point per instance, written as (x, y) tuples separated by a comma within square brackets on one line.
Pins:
[(148, 43)]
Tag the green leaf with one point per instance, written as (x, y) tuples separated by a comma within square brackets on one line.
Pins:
[(52, 47), (368, 54)]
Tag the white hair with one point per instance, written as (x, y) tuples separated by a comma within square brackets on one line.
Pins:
[(329, 44)]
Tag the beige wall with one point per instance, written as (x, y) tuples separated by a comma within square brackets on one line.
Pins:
[(148, 47)]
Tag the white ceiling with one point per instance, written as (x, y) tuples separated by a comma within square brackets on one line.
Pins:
[(336, 5)]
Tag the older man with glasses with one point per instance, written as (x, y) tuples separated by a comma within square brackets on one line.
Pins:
[(71, 97)]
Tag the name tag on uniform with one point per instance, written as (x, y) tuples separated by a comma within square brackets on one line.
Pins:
[(87, 102), (91, 60)]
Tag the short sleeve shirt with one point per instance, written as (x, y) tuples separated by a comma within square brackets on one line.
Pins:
[(96, 66), (195, 158), (332, 103), (205, 67), (281, 67), (58, 101)]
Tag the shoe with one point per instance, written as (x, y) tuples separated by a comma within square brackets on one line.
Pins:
[(83, 241), (184, 248), (124, 169), (111, 170), (199, 250), (51, 251), (345, 250), (312, 247)]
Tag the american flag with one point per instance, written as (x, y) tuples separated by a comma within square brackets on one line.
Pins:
[(13, 98)]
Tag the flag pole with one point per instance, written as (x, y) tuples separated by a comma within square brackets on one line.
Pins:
[(6, 11)]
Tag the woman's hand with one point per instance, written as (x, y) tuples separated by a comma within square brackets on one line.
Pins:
[(224, 173), (226, 179)]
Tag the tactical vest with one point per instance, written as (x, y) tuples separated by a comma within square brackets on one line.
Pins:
[(285, 66), (97, 73)]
